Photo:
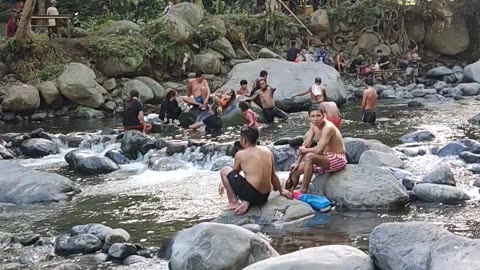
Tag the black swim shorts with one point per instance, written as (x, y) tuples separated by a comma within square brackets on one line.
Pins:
[(245, 191), (270, 113), (369, 117)]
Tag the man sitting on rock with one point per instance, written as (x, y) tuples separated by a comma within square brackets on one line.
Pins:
[(258, 166), (133, 118), (328, 156), (198, 91), (268, 103)]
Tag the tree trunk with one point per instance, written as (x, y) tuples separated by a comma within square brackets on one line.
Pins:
[(24, 30), (219, 2), (42, 9)]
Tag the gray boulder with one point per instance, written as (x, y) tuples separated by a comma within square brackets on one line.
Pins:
[(77, 83), (441, 175), (50, 95), (145, 92), (362, 187), (123, 28), (356, 146), (475, 119), (26, 186), (389, 94), (6, 153), (415, 104), (223, 46), (471, 73), (380, 159), (469, 157), (117, 236), (36, 148), (99, 230), (368, 41), (122, 250), (448, 37), (87, 113), (277, 209), (418, 136), (221, 162), (158, 91), (319, 22), (115, 67), (391, 246), (290, 78), (181, 19), (267, 53), (284, 156), (68, 266), (132, 143), (324, 257), (134, 259), (439, 72), (80, 244), (117, 156), (21, 98), (439, 193), (452, 149), (418, 92), (207, 63), (87, 162), (469, 89), (218, 246), (110, 84)]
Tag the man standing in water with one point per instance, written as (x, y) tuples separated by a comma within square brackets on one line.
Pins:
[(133, 114), (328, 156), (332, 112), (268, 103), (369, 103), (258, 165), (198, 91), (316, 91)]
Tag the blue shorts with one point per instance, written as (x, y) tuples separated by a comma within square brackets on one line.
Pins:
[(199, 100)]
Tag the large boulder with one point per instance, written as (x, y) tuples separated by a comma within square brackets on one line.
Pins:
[(84, 244), (158, 90), (123, 28), (356, 146), (380, 159), (36, 148), (77, 83), (21, 98), (132, 143), (362, 187), (368, 41), (469, 89), (87, 113), (180, 21), (99, 230), (471, 73), (115, 67), (439, 193), (418, 136), (319, 22), (145, 92), (207, 63), (277, 209), (223, 46), (290, 78), (415, 26), (26, 186), (87, 162), (324, 257), (218, 246), (421, 245), (441, 175), (439, 72), (50, 95), (267, 53), (448, 37)]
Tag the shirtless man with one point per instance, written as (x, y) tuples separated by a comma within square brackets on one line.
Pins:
[(369, 103), (328, 156), (332, 112), (340, 64), (316, 92), (198, 91), (268, 103), (257, 164), (243, 90)]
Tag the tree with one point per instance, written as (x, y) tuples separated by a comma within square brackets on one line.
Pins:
[(24, 30)]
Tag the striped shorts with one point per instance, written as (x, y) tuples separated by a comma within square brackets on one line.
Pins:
[(337, 163)]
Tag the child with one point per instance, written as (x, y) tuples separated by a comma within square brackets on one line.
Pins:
[(243, 90), (250, 116)]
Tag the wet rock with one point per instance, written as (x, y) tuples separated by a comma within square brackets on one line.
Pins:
[(27, 186), (469, 89), (476, 183), (356, 146), (117, 236), (176, 147), (413, 152), (99, 230), (68, 266), (391, 247), (167, 164), (87, 162), (283, 156), (296, 142), (439, 72), (362, 187), (475, 119), (324, 257), (88, 113), (6, 153), (218, 246), (469, 157), (415, 104), (452, 149), (277, 209), (38, 116), (108, 131), (475, 169), (36, 148), (441, 175), (388, 94), (29, 239), (132, 143), (282, 141), (134, 259), (80, 244), (117, 156), (418, 136), (439, 193), (291, 105), (471, 73), (221, 162), (380, 159), (122, 250), (407, 179)]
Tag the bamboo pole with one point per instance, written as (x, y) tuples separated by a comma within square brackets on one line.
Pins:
[(296, 18)]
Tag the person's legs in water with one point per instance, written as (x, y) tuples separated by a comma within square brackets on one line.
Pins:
[(369, 117), (269, 115), (233, 202), (280, 114)]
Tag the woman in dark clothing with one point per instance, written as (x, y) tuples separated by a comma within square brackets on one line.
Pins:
[(169, 109)]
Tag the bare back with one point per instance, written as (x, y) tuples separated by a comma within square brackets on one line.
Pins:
[(330, 108), (369, 99), (199, 89), (257, 164), (331, 137)]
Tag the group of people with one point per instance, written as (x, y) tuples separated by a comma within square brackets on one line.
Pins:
[(13, 21)]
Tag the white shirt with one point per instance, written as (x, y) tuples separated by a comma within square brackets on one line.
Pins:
[(317, 90), (52, 11)]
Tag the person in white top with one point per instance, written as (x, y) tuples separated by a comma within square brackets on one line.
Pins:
[(52, 24), (316, 91)]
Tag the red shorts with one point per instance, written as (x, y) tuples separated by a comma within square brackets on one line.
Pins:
[(148, 128), (336, 121), (337, 163)]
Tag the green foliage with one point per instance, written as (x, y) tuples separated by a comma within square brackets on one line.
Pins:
[(40, 60), (131, 50)]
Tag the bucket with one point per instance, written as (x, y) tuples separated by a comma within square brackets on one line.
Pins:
[(308, 9)]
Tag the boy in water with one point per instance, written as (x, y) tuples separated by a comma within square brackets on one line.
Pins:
[(257, 164), (251, 119), (243, 90), (328, 156)]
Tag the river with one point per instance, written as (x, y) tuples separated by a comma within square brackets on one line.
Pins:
[(152, 205)]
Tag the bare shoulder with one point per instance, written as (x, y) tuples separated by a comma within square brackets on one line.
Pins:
[(240, 154)]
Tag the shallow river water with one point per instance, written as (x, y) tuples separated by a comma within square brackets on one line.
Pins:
[(152, 205)]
